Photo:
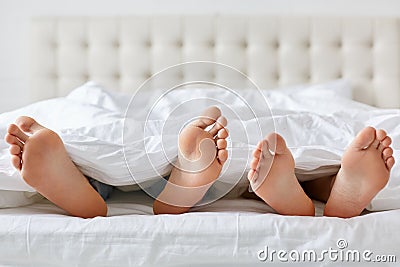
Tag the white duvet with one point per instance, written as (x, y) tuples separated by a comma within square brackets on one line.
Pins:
[(317, 123)]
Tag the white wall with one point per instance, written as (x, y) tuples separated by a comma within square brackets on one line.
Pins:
[(15, 16)]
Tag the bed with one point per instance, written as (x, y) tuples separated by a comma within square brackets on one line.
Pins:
[(123, 52)]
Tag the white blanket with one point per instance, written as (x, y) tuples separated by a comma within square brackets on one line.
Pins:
[(317, 124)]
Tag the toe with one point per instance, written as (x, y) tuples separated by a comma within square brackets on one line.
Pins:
[(16, 162), (380, 135), (390, 163), (222, 156), (387, 141), (15, 150), (12, 140), (387, 153), (16, 131), (276, 143), (381, 147), (28, 124), (265, 150), (257, 153), (221, 143), (260, 145), (223, 133), (209, 116), (219, 124), (364, 138), (254, 163), (252, 175)]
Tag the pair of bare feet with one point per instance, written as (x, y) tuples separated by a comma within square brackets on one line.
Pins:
[(364, 171), (45, 165)]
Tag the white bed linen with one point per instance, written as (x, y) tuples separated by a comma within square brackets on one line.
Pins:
[(42, 235), (90, 120), (317, 125)]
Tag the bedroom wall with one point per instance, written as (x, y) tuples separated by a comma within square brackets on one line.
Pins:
[(15, 16)]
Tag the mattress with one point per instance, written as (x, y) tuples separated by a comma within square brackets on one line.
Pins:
[(229, 232)]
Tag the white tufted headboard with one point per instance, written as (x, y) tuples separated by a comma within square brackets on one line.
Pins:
[(122, 52)]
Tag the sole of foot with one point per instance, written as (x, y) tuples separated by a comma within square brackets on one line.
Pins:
[(364, 171), (201, 156), (272, 178)]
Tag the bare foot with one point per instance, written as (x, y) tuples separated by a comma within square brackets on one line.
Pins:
[(364, 172), (45, 165), (200, 159), (273, 179)]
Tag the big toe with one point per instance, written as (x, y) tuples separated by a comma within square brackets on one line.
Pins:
[(364, 138), (276, 143), (208, 117), (28, 124)]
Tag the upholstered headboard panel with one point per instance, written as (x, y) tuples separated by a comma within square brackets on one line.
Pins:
[(122, 52)]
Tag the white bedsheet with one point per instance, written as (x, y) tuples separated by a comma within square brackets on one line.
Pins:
[(42, 235), (317, 125)]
